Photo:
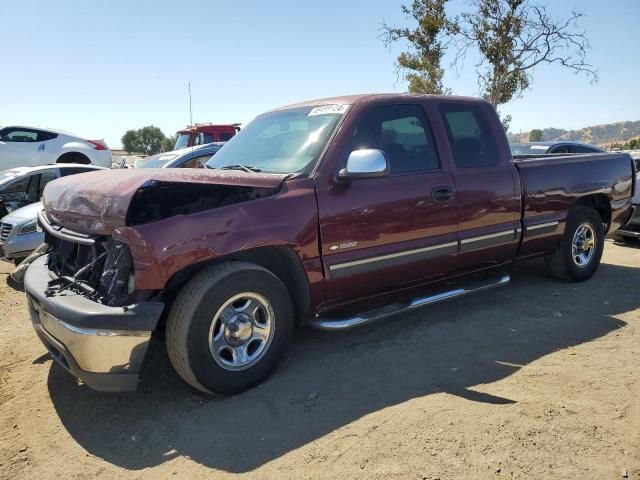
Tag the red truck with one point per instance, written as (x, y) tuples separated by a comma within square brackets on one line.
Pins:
[(329, 213), (203, 133)]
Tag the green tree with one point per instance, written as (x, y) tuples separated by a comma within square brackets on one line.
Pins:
[(169, 143), (131, 142), (148, 140), (421, 64), (151, 139), (535, 135), (514, 37)]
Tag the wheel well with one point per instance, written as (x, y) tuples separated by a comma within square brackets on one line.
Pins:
[(601, 204), (74, 157), (283, 262)]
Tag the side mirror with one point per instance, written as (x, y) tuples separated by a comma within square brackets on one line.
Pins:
[(366, 163)]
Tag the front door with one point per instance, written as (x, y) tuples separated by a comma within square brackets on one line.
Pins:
[(19, 147), (381, 234)]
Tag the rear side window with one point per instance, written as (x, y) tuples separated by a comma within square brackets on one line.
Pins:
[(225, 137), (472, 141), (402, 133), (44, 136)]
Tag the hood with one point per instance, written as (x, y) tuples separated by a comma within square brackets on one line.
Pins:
[(30, 212), (97, 202)]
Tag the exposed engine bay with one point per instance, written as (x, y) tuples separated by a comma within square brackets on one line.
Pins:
[(156, 200), (102, 268)]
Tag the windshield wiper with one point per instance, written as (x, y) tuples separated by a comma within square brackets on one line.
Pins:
[(245, 168)]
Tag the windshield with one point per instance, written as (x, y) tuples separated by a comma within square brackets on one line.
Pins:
[(522, 149), (156, 161), (286, 141), (182, 141), (7, 175)]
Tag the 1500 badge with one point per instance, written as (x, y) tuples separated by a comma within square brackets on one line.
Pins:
[(343, 245)]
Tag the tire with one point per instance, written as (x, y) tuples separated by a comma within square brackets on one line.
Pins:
[(561, 264), (196, 320)]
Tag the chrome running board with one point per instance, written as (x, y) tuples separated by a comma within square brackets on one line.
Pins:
[(339, 324)]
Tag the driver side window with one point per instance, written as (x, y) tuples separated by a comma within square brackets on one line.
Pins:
[(402, 133), (19, 135)]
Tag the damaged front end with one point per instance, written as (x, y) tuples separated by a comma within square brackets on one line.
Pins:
[(95, 295), (99, 267), (82, 308)]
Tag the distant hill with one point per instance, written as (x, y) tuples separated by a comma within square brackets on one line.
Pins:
[(597, 134)]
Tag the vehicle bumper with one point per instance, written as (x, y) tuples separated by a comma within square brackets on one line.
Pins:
[(102, 158), (102, 346), (20, 246)]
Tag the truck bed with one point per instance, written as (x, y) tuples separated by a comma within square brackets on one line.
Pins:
[(550, 185)]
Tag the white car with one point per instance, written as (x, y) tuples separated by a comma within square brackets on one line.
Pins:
[(26, 146)]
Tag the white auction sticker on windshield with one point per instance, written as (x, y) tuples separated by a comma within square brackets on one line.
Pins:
[(326, 109), (539, 147)]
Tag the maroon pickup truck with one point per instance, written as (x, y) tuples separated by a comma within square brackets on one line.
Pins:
[(331, 213)]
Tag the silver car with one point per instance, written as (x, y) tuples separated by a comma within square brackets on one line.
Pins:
[(19, 233), (20, 193)]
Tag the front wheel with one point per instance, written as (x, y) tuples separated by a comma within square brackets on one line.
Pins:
[(229, 327), (578, 255)]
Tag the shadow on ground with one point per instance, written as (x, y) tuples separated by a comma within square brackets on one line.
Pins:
[(331, 380)]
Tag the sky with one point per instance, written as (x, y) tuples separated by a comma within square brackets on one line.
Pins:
[(98, 68)]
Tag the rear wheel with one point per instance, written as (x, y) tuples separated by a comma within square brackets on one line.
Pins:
[(229, 328), (578, 255)]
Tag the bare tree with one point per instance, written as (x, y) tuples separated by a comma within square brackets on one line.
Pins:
[(427, 42), (513, 38)]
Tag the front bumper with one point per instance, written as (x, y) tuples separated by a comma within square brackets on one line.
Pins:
[(102, 346)]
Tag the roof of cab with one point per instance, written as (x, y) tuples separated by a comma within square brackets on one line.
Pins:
[(370, 97)]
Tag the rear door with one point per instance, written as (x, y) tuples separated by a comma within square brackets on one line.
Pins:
[(380, 234), (486, 185)]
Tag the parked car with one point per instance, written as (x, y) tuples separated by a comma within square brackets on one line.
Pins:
[(27, 146), (631, 231), (190, 157), (540, 148), (203, 133), (19, 233), (332, 213), (20, 193), (24, 185)]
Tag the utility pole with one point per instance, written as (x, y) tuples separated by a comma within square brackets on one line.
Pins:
[(190, 107)]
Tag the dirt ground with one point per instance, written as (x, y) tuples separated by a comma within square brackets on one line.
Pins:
[(540, 379)]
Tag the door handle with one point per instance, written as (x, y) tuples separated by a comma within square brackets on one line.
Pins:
[(442, 194)]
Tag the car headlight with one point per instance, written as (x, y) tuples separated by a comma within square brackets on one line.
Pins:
[(30, 227)]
